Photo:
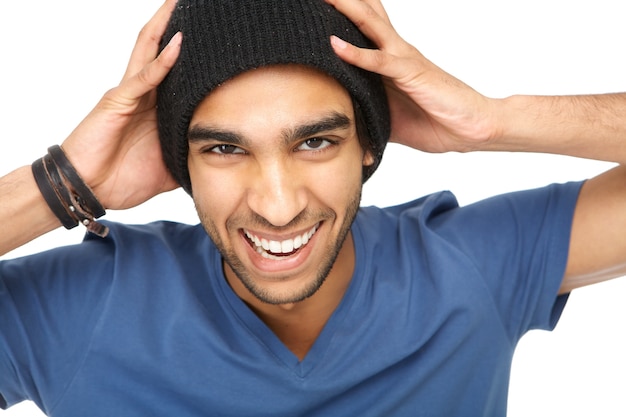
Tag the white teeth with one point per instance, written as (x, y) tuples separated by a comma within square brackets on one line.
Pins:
[(287, 246), (268, 247), (275, 247)]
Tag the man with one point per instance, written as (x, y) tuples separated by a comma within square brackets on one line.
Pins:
[(246, 145)]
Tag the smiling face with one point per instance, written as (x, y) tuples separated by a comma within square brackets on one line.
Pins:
[(276, 168)]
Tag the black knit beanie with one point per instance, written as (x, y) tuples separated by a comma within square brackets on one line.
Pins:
[(224, 38)]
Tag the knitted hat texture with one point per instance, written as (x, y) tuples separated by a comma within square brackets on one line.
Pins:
[(224, 38)]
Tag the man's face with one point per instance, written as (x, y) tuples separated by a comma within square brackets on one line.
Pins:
[(275, 166)]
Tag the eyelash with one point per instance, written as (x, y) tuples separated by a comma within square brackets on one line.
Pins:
[(326, 144), (236, 150)]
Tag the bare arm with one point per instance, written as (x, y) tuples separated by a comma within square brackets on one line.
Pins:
[(115, 148), (590, 126), (433, 111), (23, 210)]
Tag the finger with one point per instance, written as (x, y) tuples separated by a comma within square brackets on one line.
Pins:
[(369, 17), (149, 38), (152, 74), (378, 7), (373, 60)]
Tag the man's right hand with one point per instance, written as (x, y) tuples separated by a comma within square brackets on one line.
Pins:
[(116, 147)]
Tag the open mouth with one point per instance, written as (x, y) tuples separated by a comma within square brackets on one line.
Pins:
[(277, 250)]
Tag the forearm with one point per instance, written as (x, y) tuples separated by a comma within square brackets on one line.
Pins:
[(592, 127), (24, 214)]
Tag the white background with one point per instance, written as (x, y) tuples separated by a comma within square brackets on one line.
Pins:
[(58, 58)]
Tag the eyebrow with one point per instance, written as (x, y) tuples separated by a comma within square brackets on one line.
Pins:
[(330, 122), (334, 121)]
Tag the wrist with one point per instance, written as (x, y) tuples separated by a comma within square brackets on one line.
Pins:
[(511, 117), (65, 192)]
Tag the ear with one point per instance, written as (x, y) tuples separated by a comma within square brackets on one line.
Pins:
[(368, 159)]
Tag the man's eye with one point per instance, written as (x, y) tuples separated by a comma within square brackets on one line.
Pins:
[(314, 144), (226, 149)]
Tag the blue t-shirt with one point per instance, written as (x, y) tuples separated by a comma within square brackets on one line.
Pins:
[(143, 323)]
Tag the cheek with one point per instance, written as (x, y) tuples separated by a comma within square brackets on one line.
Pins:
[(214, 193), (337, 183)]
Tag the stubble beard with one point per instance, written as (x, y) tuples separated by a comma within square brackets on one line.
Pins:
[(269, 297)]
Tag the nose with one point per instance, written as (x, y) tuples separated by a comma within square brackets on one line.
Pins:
[(277, 194)]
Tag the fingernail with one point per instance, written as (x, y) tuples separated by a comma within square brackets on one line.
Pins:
[(338, 42), (176, 39)]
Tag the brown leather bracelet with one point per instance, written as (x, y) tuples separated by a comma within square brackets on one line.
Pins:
[(86, 197), (58, 184), (64, 196), (44, 182)]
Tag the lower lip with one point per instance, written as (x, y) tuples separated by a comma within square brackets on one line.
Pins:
[(284, 264)]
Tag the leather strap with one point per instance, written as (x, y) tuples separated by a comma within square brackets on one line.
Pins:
[(44, 182), (85, 196)]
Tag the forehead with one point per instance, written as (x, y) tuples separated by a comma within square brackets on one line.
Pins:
[(275, 93)]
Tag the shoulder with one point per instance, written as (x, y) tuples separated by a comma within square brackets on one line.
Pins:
[(96, 256), (164, 231), (123, 238), (441, 208), (416, 211), (437, 223)]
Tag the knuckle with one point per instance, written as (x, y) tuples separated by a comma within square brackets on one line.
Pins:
[(380, 60), (144, 76), (147, 35), (367, 15), (143, 32)]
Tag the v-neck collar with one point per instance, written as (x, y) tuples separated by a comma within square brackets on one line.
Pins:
[(268, 338)]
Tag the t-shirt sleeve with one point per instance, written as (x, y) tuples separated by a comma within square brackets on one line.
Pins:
[(519, 244), (49, 305)]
